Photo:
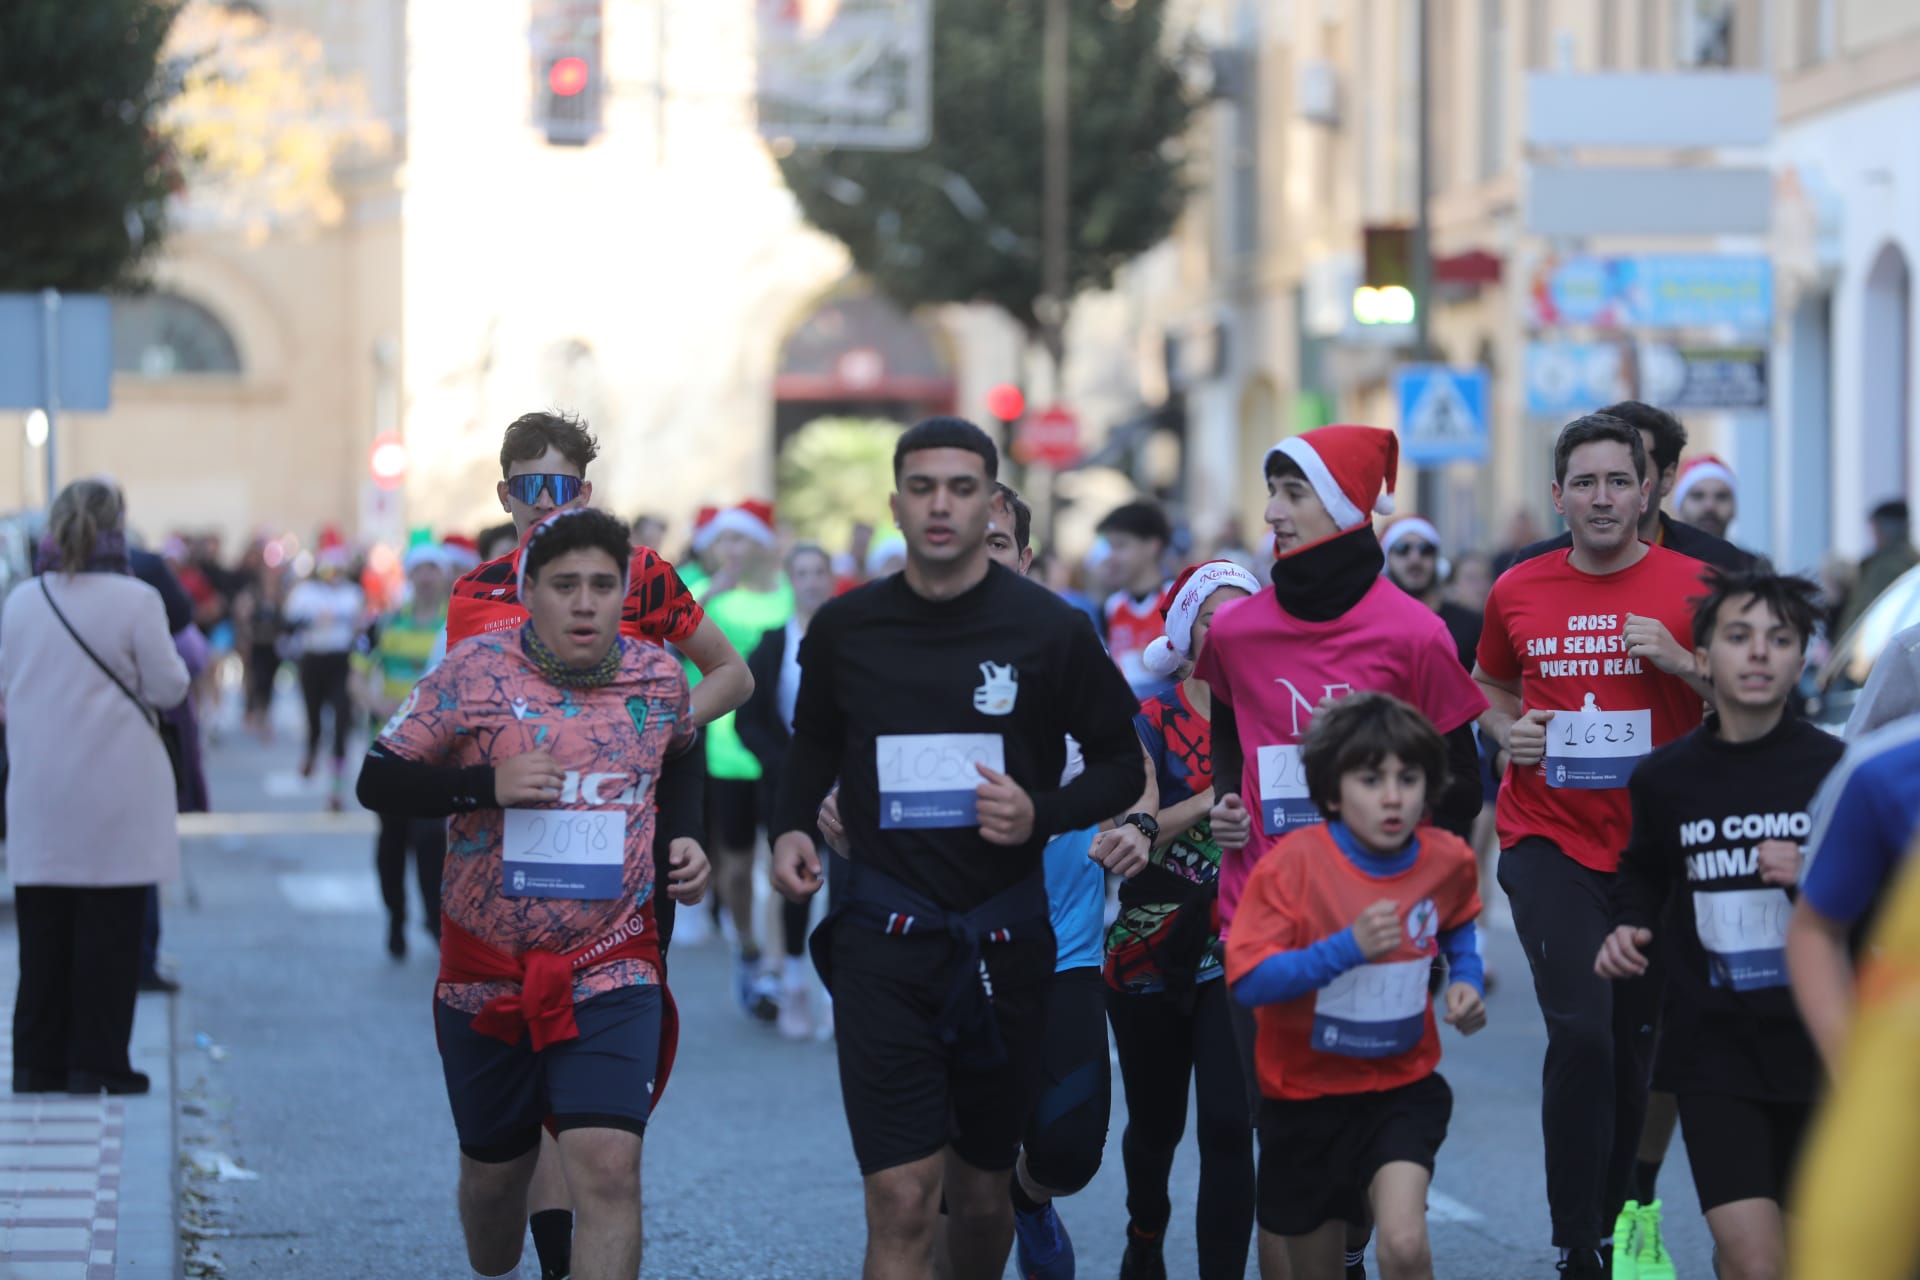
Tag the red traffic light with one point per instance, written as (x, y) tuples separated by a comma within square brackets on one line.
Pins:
[(1005, 402), (387, 460), (568, 76)]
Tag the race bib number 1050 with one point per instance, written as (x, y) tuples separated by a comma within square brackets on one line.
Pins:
[(930, 779)]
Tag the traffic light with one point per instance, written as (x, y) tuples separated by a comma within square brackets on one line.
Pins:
[(1385, 295), (1006, 403), (568, 74)]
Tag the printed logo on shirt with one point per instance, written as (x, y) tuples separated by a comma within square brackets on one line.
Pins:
[(999, 687), (1423, 923), (522, 709), (400, 716), (602, 788)]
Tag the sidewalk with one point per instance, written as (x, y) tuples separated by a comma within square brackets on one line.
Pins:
[(87, 1184)]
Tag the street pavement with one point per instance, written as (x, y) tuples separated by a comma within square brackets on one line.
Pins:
[(308, 1075)]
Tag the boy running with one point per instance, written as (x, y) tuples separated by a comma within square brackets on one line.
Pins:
[(1724, 809), (1333, 947)]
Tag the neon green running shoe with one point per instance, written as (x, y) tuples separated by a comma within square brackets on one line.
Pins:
[(1626, 1243), (1650, 1257)]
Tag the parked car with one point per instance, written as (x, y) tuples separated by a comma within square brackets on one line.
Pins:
[(1837, 686)]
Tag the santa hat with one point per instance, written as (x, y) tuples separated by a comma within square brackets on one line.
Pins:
[(332, 550), (545, 526), (1704, 467), (1182, 604), (884, 550), (1347, 467), (1401, 528), (462, 552), (754, 519)]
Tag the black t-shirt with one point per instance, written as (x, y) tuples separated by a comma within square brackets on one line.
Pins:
[(1463, 624), (1701, 808), (922, 686)]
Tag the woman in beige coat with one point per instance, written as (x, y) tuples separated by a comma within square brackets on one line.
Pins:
[(90, 793)]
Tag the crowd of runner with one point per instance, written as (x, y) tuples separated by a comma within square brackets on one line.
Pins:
[(1303, 769)]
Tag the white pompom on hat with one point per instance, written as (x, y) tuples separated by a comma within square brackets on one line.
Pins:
[(1181, 606), (1348, 467), (1704, 467)]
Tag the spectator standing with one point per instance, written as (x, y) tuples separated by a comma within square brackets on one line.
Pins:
[(1893, 554)]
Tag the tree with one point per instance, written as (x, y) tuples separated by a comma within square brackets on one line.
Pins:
[(833, 472), (85, 170), (959, 220)]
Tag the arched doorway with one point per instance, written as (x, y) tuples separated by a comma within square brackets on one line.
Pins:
[(1886, 377), (858, 356)]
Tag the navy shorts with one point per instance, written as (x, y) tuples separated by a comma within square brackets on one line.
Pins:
[(501, 1093)]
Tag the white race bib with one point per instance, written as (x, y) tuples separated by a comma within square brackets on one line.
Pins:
[(1744, 933), (1373, 1011), (563, 853), (1595, 750), (929, 779), (1284, 803)]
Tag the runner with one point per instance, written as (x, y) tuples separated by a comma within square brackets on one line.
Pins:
[(399, 654), (914, 689), (1333, 944), (1580, 662), (1722, 811), (325, 613), (1136, 536), (1415, 565), (556, 736), (543, 462), (1704, 496), (1168, 1011)]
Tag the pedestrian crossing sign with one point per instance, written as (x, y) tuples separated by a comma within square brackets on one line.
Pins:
[(1443, 414)]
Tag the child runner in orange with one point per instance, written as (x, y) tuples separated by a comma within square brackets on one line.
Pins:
[(1332, 948)]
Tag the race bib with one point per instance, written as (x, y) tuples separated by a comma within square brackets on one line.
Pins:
[(1595, 750), (1284, 803), (563, 853), (929, 779), (1744, 933), (1374, 1011)]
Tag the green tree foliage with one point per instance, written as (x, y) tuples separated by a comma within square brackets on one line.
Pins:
[(835, 471), (85, 171), (959, 220)]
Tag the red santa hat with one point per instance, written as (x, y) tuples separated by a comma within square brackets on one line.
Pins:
[(1182, 604), (1704, 467), (332, 550), (1347, 466), (752, 518), (462, 552)]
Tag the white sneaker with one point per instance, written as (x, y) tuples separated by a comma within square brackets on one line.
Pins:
[(692, 926), (796, 1011)]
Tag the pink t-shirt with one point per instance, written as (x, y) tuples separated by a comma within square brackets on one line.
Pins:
[(1274, 669)]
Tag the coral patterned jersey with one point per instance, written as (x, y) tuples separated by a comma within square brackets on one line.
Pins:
[(487, 703), (1371, 1028), (658, 605)]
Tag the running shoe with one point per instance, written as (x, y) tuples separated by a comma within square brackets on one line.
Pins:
[(1040, 1241), (1143, 1259), (1651, 1259), (796, 1012), (1626, 1243), (1584, 1264), (757, 992)]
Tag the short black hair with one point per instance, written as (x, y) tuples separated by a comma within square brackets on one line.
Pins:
[(1022, 515), (1669, 437), (1892, 511), (1281, 466), (807, 549), (1792, 599), (532, 434), (1591, 429), (576, 529), (494, 533), (946, 433), (1143, 520), (1358, 732)]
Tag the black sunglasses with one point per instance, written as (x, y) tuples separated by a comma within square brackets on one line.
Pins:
[(526, 488), (1421, 549)]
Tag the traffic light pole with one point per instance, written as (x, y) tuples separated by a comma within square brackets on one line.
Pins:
[(1426, 483), (50, 351), (1053, 217)]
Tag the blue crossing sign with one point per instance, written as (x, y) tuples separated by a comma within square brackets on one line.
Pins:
[(1443, 414)]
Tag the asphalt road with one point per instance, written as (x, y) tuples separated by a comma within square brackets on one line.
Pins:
[(307, 1055)]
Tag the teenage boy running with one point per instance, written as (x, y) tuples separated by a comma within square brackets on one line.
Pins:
[(1722, 811), (549, 746), (1137, 535), (1333, 948), (1579, 660)]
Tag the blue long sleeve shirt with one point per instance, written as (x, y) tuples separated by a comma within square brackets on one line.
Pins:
[(1289, 975)]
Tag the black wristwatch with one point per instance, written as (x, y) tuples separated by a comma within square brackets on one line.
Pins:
[(1148, 824)]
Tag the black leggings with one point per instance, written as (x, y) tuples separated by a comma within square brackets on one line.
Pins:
[(1160, 1047), (427, 837), (323, 683), (1067, 1131)]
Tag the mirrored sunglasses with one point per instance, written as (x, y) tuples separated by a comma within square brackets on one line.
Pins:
[(526, 488)]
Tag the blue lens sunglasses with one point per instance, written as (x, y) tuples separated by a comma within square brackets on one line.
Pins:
[(527, 488)]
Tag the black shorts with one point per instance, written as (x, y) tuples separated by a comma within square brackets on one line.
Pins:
[(733, 814), (501, 1093), (1741, 1148), (1318, 1156), (907, 1095)]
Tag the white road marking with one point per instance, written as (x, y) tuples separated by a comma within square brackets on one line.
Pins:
[(1444, 1208), (286, 784), (321, 893), (357, 822)]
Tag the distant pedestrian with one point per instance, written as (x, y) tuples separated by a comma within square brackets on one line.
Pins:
[(1892, 555), (85, 660), (325, 613)]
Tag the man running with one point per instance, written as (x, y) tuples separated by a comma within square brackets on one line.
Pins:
[(1415, 565), (940, 698), (549, 745), (1705, 497), (1579, 661), (1720, 814), (1137, 535)]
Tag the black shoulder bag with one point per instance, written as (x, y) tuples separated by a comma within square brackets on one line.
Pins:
[(169, 731)]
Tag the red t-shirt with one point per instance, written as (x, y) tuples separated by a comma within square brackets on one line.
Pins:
[(1342, 1038), (658, 606), (1132, 625), (1557, 631)]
